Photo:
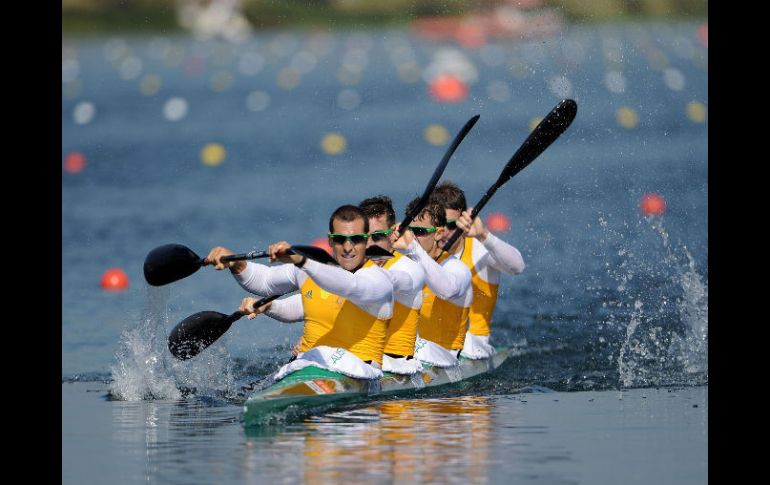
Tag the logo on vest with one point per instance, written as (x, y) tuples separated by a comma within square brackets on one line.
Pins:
[(309, 294), (419, 344), (337, 355)]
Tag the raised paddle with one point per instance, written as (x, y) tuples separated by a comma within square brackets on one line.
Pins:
[(437, 173), (546, 132), (198, 331), (172, 262)]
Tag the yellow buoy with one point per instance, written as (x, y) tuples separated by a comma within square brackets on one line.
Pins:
[(436, 134), (627, 117), (333, 143), (534, 122), (696, 112), (213, 154)]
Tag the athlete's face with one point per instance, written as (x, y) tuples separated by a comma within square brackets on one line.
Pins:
[(385, 241), (349, 255), (428, 241)]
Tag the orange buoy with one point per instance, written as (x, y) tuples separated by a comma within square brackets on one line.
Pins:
[(498, 222), (322, 243), (74, 162), (448, 89), (652, 204), (114, 279)]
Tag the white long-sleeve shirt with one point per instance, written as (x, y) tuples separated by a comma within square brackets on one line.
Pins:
[(407, 276), (495, 256), (450, 280), (408, 280), (368, 288), (287, 310)]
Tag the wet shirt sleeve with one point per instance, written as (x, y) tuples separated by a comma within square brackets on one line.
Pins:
[(502, 256), (269, 280), (287, 310)]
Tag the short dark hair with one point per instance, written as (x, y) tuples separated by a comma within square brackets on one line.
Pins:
[(450, 196), (377, 206), (432, 208), (348, 213)]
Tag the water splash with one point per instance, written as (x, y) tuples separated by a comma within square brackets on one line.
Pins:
[(146, 370), (664, 344), (140, 371)]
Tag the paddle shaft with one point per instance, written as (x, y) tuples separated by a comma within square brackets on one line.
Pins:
[(244, 256), (236, 315), (437, 173)]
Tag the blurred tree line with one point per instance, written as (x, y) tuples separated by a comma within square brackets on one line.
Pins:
[(84, 16)]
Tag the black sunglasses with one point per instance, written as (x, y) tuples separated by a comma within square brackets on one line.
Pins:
[(380, 235), (353, 238), (421, 231)]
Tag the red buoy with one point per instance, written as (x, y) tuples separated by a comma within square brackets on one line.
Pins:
[(114, 279), (322, 243), (652, 204), (498, 222), (448, 89), (74, 162)]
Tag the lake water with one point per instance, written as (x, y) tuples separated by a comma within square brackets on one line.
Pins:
[(610, 318)]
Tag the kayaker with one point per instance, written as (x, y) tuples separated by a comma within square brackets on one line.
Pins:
[(345, 309), (447, 295), (487, 256), (408, 280)]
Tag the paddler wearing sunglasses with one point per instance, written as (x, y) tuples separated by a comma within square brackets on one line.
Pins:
[(345, 309), (408, 280), (447, 295), (487, 256)]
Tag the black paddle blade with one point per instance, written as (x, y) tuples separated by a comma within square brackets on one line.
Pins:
[(546, 132), (376, 252), (198, 331), (438, 172), (170, 262), (314, 253)]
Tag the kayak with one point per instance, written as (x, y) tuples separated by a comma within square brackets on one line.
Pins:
[(313, 387)]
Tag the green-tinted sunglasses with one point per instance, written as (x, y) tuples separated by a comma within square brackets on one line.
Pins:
[(422, 230), (353, 238), (451, 224), (380, 235)]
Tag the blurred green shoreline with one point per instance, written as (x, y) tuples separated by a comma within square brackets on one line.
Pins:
[(83, 17)]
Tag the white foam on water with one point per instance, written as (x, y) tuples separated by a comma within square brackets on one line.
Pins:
[(144, 369), (651, 354)]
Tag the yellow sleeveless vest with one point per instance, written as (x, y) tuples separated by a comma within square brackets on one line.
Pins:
[(402, 329), (442, 321), (484, 295), (336, 322)]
